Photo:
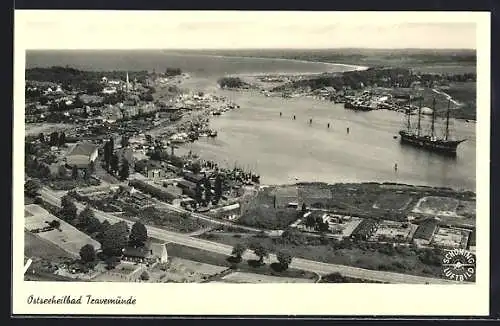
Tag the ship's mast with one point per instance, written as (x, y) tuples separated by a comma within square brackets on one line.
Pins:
[(447, 121), (419, 117), (433, 116), (408, 113)]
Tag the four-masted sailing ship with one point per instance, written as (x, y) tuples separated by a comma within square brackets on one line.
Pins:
[(430, 141)]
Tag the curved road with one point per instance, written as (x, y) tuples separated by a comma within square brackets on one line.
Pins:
[(298, 263)]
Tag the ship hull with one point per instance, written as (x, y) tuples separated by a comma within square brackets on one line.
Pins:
[(356, 107), (425, 142)]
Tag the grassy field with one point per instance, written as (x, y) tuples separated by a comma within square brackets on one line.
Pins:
[(211, 258), (35, 246), (364, 199), (45, 255), (365, 255), (438, 205)]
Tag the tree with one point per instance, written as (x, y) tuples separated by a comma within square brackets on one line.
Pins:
[(68, 210), (107, 155), (238, 250), (198, 193), (145, 276), (94, 225), (208, 190), (124, 170), (304, 208), (114, 239), (261, 252), (124, 141), (218, 188), (55, 224), (310, 221), (62, 139), (284, 258), (85, 216), (54, 139), (138, 235), (41, 137), (114, 163), (196, 167), (61, 171), (31, 188), (322, 226), (91, 167), (74, 172), (87, 253)]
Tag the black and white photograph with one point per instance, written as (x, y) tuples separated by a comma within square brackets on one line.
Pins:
[(251, 148)]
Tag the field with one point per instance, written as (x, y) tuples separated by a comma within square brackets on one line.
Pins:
[(34, 129), (66, 237), (371, 200), (463, 95), (393, 201), (241, 277), (466, 94), (45, 256), (437, 206), (373, 256), (35, 246)]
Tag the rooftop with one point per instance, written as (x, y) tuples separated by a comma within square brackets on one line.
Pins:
[(83, 149)]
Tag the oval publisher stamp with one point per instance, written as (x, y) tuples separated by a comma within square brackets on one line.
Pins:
[(459, 265)]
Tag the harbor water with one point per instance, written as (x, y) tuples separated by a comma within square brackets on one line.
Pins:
[(283, 150)]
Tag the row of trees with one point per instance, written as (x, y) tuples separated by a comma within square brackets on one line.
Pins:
[(382, 77), (113, 237), (284, 257), (71, 78), (55, 138), (112, 162)]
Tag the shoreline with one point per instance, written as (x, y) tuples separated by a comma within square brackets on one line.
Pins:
[(379, 183), (354, 67)]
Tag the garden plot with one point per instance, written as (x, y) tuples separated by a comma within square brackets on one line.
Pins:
[(437, 206), (450, 238), (241, 277), (394, 231)]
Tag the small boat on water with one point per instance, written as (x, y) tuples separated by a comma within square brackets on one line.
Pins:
[(212, 133)]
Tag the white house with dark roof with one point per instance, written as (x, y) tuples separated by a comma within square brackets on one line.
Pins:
[(150, 253), (81, 155)]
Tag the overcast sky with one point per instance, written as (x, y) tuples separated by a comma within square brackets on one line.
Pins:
[(249, 30)]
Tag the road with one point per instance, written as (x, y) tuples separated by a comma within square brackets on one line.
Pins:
[(298, 263)]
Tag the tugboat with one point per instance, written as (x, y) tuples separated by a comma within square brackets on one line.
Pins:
[(430, 142)]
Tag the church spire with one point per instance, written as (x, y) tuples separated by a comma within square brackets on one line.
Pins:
[(127, 83)]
